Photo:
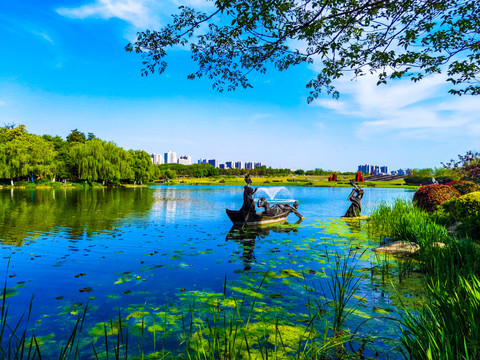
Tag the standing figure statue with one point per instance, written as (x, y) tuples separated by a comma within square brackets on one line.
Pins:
[(248, 206), (355, 197)]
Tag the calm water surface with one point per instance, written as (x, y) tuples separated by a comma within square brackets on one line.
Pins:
[(145, 250)]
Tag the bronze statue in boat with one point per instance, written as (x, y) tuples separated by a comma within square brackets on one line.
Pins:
[(247, 214)]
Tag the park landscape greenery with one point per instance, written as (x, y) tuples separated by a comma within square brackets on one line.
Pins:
[(30, 160), (407, 38)]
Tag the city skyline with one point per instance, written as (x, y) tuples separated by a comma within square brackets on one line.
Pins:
[(86, 81)]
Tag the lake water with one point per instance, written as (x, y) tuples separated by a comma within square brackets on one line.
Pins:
[(151, 254)]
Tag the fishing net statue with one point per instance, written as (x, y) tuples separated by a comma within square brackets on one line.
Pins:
[(356, 198)]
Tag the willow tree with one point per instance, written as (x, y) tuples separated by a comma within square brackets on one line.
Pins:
[(23, 154), (393, 38), (98, 160), (142, 166)]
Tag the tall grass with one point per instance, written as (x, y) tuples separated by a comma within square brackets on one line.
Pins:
[(448, 326), (404, 221)]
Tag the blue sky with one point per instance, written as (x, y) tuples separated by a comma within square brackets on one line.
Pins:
[(63, 66)]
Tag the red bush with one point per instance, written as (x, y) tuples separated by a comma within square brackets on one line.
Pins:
[(430, 196)]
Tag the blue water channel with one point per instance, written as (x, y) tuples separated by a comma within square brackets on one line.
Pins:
[(157, 252)]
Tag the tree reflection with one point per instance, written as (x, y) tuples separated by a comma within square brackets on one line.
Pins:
[(31, 213)]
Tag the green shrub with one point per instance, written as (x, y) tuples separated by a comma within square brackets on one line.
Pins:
[(417, 180), (466, 209), (444, 180), (468, 205), (464, 187), (26, 184), (56, 185), (429, 197)]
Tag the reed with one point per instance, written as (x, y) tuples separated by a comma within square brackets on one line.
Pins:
[(447, 327), (406, 222)]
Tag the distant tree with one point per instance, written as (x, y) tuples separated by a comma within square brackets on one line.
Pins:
[(170, 174), (199, 173), (142, 166), (422, 172), (91, 136), (467, 165), (76, 137), (299, 172), (212, 171)]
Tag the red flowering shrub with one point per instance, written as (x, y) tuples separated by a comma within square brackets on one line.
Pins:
[(464, 187), (429, 197)]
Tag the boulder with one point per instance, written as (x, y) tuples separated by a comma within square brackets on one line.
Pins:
[(398, 247)]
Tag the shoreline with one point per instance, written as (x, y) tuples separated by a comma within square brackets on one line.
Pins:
[(263, 181), (181, 183)]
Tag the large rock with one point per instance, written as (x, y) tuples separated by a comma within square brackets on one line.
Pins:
[(398, 247)]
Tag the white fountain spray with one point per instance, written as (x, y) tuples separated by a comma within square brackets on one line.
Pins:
[(271, 193)]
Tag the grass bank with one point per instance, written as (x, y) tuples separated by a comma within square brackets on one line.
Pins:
[(313, 181)]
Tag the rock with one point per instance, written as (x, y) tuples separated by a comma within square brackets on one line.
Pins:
[(361, 217), (453, 229), (398, 247), (438, 244)]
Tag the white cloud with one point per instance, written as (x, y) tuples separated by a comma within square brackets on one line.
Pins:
[(141, 14), (405, 109), (44, 36)]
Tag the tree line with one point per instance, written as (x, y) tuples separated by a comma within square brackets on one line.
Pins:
[(26, 156)]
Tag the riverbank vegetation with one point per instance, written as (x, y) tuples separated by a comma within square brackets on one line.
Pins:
[(446, 226), (30, 160)]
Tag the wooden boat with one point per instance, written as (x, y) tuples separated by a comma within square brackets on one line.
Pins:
[(238, 218)]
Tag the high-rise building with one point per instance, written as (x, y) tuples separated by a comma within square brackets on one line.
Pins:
[(202, 161), (185, 160), (170, 157), (230, 164), (373, 169), (157, 159), (213, 162), (249, 165), (238, 165), (257, 164), (403, 171), (223, 166)]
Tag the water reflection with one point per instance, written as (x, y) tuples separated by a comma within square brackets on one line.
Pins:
[(247, 236), (31, 213)]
